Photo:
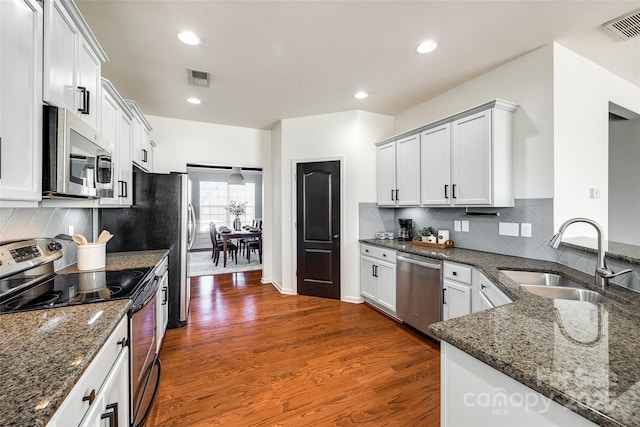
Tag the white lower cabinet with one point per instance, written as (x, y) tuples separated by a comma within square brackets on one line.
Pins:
[(466, 290), (456, 290), (162, 304), (473, 393), (378, 277), (104, 382), (112, 404)]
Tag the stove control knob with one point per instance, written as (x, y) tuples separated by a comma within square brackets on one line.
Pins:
[(54, 246)]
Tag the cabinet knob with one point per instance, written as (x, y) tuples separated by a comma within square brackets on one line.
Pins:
[(123, 342), (482, 286), (91, 397), (455, 273)]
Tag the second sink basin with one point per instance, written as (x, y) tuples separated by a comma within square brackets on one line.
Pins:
[(563, 292), (539, 278)]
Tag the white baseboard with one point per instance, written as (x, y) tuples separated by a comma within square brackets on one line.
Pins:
[(354, 300)]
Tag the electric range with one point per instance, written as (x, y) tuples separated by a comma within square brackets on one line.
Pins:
[(27, 280)]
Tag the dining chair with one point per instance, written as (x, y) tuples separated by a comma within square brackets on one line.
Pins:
[(218, 246), (255, 243)]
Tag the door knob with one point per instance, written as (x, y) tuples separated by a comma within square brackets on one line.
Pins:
[(336, 236)]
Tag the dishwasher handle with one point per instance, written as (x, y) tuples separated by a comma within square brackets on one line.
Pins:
[(427, 264)]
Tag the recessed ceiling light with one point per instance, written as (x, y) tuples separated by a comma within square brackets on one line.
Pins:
[(361, 95), (194, 101), (187, 37), (427, 46)]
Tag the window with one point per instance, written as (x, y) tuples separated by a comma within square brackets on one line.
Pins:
[(215, 197)]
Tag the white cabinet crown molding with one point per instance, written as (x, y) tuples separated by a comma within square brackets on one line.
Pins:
[(137, 111), (496, 103), (82, 25), (111, 90)]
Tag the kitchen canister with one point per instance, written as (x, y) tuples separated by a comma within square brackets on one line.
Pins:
[(92, 256), (443, 236)]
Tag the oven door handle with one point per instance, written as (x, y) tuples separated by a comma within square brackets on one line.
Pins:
[(139, 422), (148, 292)]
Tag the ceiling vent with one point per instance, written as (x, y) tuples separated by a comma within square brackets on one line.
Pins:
[(626, 26), (199, 78)]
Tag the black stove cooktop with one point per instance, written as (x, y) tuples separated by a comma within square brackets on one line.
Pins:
[(73, 289)]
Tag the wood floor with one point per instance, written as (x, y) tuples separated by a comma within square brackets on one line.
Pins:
[(252, 357)]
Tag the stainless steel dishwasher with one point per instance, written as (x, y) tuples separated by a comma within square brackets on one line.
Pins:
[(419, 285)]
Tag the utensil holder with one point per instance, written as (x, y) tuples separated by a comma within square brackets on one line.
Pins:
[(92, 256)]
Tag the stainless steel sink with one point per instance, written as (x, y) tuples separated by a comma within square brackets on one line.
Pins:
[(563, 292), (539, 278), (554, 286)]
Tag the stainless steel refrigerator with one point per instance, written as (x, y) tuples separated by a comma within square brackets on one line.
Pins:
[(161, 218)]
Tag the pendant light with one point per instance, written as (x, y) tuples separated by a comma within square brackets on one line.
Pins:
[(236, 177)]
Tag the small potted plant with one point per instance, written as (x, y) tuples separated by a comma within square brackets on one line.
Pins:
[(237, 209), (428, 234)]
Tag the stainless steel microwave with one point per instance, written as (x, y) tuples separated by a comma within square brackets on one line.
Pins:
[(74, 165)]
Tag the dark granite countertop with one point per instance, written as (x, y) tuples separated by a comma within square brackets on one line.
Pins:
[(584, 356), (43, 353)]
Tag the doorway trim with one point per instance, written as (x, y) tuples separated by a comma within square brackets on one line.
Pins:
[(293, 213)]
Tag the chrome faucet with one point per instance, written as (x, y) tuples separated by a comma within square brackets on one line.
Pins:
[(603, 274)]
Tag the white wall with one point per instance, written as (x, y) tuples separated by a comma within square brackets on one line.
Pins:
[(276, 204), (582, 92), (624, 181), (182, 141), (349, 137), (526, 81)]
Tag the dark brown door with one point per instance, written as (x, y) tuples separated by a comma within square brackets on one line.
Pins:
[(318, 229)]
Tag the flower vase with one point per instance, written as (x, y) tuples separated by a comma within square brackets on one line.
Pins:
[(237, 225)]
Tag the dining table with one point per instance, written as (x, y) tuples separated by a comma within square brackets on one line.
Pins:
[(240, 234)]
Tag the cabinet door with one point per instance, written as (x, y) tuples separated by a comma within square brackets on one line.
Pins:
[(435, 166), (368, 280), (111, 406), (387, 174), (408, 171), (456, 301), (124, 185), (89, 67), (162, 305), (136, 142), (20, 100), (471, 159), (387, 285), (110, 119), (484, 301), (60, 50)]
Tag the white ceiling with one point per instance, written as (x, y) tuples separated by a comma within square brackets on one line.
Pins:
[(271, 60)]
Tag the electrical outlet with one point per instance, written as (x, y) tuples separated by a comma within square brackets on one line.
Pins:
[(594, 193), (465, 226), (71, 230), (525, 229), (508, 229), (456, 226)]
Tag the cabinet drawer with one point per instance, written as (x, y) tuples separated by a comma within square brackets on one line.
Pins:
[(388, 255), (457, 272), (492, 292), (74, 408)]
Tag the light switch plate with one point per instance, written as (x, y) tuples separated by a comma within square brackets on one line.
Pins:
[(525, 229), (465, 226), (456, 226), (71, 230), (508, 229)]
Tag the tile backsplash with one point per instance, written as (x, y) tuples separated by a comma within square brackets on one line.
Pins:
[(483, 234), (23, 223)]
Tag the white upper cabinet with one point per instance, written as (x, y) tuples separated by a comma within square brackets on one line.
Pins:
[(399, 172), (140, 137), (116, 130), (435, 166), (408, 171), (462, 160), (471, 153), (20, 103), (387, 174), (72, 61)]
